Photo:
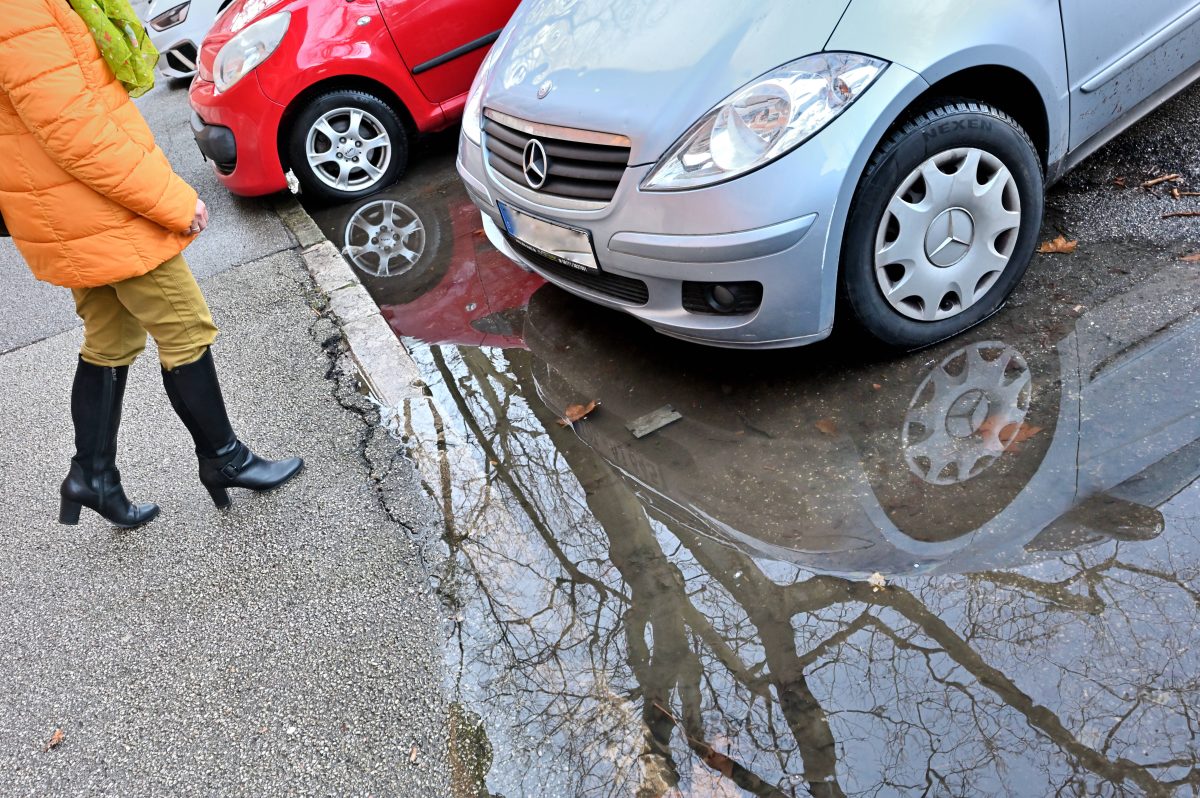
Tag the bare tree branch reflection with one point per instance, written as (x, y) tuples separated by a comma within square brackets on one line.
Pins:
[(616, 649)]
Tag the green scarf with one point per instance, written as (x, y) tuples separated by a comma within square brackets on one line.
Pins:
[(122, 40)]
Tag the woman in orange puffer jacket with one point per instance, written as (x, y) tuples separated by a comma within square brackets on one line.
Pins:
[(93, 205)]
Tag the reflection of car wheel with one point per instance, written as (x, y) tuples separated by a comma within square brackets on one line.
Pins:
[(966, 413), (947, 457), (347, 144), (385, 238), (943, 224), (400, 248)]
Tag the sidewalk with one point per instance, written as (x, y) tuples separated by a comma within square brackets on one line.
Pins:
[(288, 646)]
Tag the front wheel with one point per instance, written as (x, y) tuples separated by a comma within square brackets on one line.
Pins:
[(346, 145), (943, 225)]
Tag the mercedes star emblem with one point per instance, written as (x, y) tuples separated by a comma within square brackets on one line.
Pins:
[(535, 164)]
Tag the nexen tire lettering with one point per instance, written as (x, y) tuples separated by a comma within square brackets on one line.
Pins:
[(957, 124)]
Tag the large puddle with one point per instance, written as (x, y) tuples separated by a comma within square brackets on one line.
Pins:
[(974, 570)]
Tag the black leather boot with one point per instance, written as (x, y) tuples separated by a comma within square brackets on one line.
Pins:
[(225, 462), (94, 481)]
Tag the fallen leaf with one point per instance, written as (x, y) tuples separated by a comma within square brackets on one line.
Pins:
[(1180, 214), (1194, 258), (412, 756), (1175, 193), (577, 412), (877, 582), (1119, 182), (1171, 178), (55, 740), (827, 426), (1019, 433), (1188, 193), (1007, 436), (1059, 246)]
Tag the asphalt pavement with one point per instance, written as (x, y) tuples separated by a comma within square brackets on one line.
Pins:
[(287, 646)]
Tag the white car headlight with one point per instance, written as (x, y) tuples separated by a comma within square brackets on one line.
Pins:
[(767, 119), (248, 49), (171, 17), (472, 122)]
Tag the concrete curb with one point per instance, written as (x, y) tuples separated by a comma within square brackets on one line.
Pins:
[(386, 367)]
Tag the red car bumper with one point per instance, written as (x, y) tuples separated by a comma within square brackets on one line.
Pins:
[(238, 132)]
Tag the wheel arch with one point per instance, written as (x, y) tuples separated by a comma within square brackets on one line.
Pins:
[(1004, 87), (339, 83)]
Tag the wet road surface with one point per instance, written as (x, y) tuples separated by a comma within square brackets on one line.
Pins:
[(971, 570)]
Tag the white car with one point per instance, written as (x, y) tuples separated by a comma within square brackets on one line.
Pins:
[(177, 27)]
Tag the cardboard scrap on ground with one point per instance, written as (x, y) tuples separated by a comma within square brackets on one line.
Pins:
[(652, 422)]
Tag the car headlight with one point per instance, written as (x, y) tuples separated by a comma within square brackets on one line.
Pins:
[(765, 120), (171, 17), (248, 49), (472, 123)]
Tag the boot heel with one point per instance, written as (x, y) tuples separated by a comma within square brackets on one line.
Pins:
[(220, 496), (68, 512)]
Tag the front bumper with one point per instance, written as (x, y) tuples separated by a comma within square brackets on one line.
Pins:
[(238, 131), (780, 226)]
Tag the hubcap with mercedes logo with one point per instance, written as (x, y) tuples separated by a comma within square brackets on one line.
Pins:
[(947, 234), (949, 237), (535, 164)]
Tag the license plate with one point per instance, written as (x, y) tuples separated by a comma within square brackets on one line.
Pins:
[(560, 243)]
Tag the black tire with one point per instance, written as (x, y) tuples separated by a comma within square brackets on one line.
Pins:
[(950, 126), (380, 114)]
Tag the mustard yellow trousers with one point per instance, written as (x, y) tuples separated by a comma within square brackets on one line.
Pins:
[(165, 302)]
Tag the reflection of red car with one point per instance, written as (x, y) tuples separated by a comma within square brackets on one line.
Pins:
[(425, 261), (334, 89)]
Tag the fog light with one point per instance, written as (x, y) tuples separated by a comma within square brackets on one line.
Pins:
[(722, 299)]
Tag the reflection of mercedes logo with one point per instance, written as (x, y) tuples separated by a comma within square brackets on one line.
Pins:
[(966, 412), (535, 164), (950, 237)]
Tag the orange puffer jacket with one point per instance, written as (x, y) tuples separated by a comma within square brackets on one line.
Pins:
[(87, 195)]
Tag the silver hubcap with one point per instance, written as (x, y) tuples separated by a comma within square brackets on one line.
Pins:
[(947, 235), (384, 238), (966, 412), (348, 149)]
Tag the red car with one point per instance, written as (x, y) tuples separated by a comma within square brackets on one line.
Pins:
[(334, 90)]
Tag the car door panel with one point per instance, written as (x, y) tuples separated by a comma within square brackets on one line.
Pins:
[(1121, 53), (443, 42)]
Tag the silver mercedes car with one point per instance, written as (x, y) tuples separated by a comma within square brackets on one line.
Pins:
[(733, 173)]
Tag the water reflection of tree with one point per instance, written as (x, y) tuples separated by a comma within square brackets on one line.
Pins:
[(645, 658)]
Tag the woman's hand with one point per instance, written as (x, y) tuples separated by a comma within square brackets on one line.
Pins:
[(200, 222)]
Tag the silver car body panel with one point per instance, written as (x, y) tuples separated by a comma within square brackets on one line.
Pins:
[(610, 61), (949, 36), (1114, 67), (648, 71)]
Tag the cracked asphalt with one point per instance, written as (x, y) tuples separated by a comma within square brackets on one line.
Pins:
[(288, 646)]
